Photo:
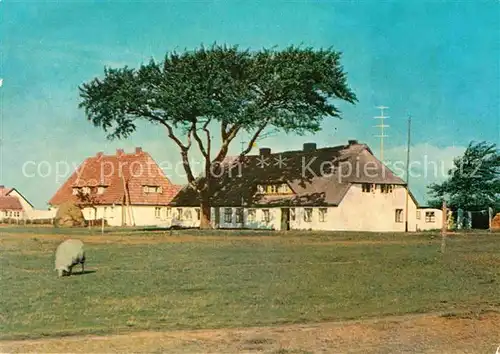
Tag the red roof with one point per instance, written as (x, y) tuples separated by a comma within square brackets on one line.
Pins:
[(10, 203), (118, 173), (5, 191)]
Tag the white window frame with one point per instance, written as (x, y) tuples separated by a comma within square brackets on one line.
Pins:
[(228, 215), (322, 213), (251, 215), (308, 214), (398, 215), (266, 215)]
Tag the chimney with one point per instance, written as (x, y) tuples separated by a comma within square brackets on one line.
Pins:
[(119, 152), (2, 186), (265, 151), (99, 154), (352, 142), (308, 147), (138, 150)]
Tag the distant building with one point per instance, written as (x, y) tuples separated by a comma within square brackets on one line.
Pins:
[(343, 188), (124, 189), (13, 205)]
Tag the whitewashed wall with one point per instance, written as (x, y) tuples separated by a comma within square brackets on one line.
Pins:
[(24, 203), (138, 215), (35, 214), (358, 211), (423, 224)]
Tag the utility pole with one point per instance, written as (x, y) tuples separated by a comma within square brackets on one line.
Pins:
[(381, 126), (407, 173), (444, 227)]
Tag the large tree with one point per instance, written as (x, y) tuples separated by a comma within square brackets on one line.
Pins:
[(219, 90), (473, 182)]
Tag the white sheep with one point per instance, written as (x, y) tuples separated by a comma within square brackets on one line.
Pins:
[(68, 254)]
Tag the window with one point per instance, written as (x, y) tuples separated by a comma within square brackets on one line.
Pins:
[(179, 214), (101, 189), (418, 215), (251, 215), (188, 215), (280, 188), (430, 216), (168, 213), (6, 213), (272, 189), (399, 215), (239, 215), (86, 190), (292, 214), (284, 189), (75, 191), (308, 214), (322, 214), (367, 187), (151, 189), (228, 215), (198, 214), (386, 188), (266, 217)]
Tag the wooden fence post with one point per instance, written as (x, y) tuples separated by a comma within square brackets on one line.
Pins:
[(444, 227)]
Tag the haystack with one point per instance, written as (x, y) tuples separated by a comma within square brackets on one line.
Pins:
[(69, 215), (495, 223)]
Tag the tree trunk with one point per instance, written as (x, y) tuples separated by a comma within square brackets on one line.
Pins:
[(205, 211)]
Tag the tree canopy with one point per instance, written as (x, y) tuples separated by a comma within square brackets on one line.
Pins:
[(220, 88), (473, 182)]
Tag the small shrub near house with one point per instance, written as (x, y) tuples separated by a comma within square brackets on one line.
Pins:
[(69, 215)]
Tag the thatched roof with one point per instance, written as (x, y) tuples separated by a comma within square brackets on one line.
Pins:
[(318, 177)]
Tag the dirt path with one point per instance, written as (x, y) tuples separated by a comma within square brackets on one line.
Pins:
[(408, 334)]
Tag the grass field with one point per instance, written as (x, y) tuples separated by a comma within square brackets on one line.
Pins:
[(146, 280)]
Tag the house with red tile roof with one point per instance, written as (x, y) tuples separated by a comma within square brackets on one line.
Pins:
[(344, 188), (13, 205), (125, 189)]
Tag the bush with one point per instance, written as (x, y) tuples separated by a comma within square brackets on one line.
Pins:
[(69, 215)]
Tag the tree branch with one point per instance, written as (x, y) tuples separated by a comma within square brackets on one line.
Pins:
[(254, 138), (184, 148), (170, 130), (198, 140), (230, 135)]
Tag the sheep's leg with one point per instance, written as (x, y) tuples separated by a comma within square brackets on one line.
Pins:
[(69, 271), (83, 267)]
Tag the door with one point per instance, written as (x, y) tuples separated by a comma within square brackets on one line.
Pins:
[(216, 217), (285, 219)]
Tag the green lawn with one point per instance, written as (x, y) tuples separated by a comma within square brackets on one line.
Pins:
[(206, 281)]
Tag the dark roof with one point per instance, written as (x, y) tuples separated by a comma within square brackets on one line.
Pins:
[(319, 177)]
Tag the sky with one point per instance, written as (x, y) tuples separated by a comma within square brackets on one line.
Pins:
[(436, 61)]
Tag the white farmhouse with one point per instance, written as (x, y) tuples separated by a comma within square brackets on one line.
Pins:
[(123, 189), (13, 205), (344, 188)]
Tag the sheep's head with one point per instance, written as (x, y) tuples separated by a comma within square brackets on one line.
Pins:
[(61, 271)]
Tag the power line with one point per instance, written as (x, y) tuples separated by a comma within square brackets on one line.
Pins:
[(382, 125)]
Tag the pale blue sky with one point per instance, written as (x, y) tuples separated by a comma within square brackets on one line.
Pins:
[(438, 61)]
